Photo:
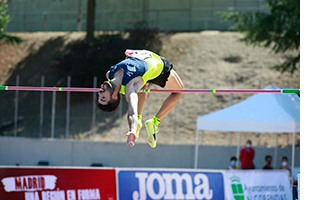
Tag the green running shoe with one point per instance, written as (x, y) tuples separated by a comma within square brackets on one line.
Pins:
[(152, 131), (139, 126)]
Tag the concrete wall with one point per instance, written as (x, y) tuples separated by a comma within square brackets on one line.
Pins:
[(60, 152), (176, 15)]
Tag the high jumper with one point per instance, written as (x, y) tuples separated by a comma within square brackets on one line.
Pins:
[(127, 77)]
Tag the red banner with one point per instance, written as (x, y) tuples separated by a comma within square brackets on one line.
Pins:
[(49, 183)]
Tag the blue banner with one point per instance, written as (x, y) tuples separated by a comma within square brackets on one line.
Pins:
[(148, 184)]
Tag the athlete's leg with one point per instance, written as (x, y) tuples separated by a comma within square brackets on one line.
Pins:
[(174, 82), (141, 99)]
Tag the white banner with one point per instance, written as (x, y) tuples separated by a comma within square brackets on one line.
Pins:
[(257, 185)]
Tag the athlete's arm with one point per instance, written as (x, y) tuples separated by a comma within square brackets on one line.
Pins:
[(131, 94)]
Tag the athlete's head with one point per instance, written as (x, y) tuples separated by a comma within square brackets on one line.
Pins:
[(109, 98)]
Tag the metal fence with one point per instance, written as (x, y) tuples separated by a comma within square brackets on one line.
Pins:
[(72, 121), (185, 16)]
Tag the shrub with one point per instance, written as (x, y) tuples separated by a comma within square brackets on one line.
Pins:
[(4, 20), (4, 17)]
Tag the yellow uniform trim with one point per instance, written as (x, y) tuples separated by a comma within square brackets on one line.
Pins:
[(155, 66)]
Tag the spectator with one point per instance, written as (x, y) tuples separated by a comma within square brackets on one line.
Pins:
[(268, 160), (232, 166), (284, 165), (246, 156)]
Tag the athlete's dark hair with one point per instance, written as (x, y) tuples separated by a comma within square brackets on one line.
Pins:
[(268, 156), (112, 103), (111, 106)]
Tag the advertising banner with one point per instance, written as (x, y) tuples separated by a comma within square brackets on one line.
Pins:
[(257, 185), (49, 183), (150, 184)]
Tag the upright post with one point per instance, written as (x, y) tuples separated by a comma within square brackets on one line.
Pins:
[(293, 157), (238, 148), (68, 108), (259, 134), (94, 107), (203, 108), (275, 153), (203, 97), (231, 102), (53, 114), (16, 107), (41, 107)]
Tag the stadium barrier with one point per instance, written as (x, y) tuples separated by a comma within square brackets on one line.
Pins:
[(78, 183)]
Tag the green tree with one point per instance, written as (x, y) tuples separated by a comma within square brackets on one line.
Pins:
[(4, 20), (4, 17), (277, 27)]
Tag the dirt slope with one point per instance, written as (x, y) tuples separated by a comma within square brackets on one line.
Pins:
[(208, 59)]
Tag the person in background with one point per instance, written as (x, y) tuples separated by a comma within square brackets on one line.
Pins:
[(284, 166), (246, 156), (268, 160), (232, 166)]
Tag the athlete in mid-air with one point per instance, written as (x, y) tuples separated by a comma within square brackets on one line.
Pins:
[(140, 68)]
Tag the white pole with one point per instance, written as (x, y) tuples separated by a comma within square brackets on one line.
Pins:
[(275, 153), (293, 156), (94, 107), (16, 107), (259, 134), (41, 107), (68, 108), (53, 114), (230, 102), (238, 149), (203, 97), (203, 108), (196, 149)]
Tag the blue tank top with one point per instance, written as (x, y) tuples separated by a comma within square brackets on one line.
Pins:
[(132, 67)]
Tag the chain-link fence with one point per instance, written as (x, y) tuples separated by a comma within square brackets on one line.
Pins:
[(173, 15)]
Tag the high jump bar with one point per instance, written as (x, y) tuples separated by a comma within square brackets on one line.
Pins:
[(72, 89)]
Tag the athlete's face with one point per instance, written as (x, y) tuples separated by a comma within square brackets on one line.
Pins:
[(105, 93)]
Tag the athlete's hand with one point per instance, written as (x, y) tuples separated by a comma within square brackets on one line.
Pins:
[(131, 139)]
